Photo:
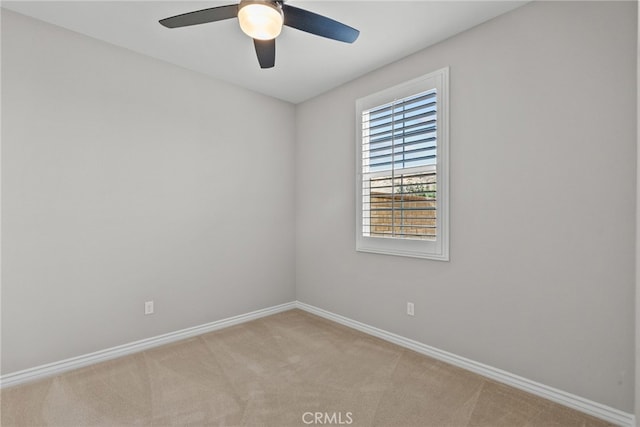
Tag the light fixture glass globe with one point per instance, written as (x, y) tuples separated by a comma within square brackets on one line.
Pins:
[(260, 20)]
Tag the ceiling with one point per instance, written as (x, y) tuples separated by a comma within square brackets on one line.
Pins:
[(306, 65)]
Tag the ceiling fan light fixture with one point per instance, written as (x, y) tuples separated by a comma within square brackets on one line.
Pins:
[(261, 20)]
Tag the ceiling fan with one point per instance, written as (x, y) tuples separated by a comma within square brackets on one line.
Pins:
[(262, 20)]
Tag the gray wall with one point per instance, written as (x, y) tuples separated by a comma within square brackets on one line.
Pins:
[(543, 152), (126, 179), (637, 320)]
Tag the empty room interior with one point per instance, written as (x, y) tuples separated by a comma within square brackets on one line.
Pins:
[(290, 213)]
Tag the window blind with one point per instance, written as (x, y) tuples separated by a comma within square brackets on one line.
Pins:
[(399, 157)]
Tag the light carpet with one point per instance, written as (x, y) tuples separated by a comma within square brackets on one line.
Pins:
[(289, 369)]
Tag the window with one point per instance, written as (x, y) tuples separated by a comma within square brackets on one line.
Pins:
[(402, 176)]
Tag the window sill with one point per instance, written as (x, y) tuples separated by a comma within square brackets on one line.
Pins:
[(404, 253)]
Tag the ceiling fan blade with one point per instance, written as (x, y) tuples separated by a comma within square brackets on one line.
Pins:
[(266, 51), (319, 25), (201, 16)]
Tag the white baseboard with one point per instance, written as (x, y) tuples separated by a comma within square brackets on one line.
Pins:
[(604, 412), (55, 368), (590, 407)]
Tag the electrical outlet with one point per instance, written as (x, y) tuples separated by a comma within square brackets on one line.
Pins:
[(148, 307), (410, 311)]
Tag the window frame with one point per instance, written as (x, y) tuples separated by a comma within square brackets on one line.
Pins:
[(437, 249)]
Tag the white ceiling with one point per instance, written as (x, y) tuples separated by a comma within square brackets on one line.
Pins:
[(306, 65)]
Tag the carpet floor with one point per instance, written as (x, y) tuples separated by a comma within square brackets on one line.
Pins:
[(289, 369)]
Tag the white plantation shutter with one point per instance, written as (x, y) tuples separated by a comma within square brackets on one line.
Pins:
[(399, 153), (402, 150), (401, 134)]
